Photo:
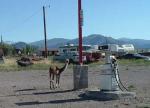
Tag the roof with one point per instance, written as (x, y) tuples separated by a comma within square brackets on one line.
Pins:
[(51, 49), (74, 46)]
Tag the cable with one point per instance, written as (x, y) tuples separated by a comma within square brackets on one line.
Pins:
[(121, 81), (27, 19), (23, 22), (116, 78), (116, 71), (35, 13)]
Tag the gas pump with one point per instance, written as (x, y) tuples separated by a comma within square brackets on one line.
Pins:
[(111, 87), (109, 78)]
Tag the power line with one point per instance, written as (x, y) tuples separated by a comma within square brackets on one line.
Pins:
[(23, 22), (35, 13), (27, 19)]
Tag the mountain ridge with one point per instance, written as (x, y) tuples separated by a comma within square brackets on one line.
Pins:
[(93, 39)]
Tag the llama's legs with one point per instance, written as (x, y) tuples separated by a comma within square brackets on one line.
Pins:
[(51, 84), (53, 80), (58, 80), (50, 76)]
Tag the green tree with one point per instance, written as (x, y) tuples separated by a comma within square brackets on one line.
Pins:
[(6, 49), (29, 50)]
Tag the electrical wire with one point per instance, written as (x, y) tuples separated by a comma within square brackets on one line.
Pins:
[(26, 19), (23, 22)]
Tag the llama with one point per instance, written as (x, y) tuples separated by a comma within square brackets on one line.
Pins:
[(56, 72)]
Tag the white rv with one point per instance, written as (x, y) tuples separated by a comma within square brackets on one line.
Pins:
[(117, 49), (128, 47), (120, 48)]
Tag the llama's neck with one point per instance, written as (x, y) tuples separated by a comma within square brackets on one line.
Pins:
[(63, 68)]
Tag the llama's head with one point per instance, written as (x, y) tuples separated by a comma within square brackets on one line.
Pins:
[(67, 61)]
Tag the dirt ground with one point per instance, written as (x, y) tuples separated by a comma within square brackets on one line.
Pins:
[(30, 89)]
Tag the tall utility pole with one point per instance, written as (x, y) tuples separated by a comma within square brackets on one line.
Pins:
[(80, 24), (45, 35)]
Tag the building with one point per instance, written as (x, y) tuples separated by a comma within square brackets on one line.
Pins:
[(1, 53), (1, 56), (50, 52)]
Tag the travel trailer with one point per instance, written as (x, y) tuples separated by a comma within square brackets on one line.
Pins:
[(128, 47), (118, 50)]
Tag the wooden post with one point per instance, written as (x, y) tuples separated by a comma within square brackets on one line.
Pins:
[(44, 19)]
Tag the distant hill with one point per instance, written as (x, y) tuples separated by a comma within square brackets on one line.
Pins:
[(19, 45), (51, 43), (94, 39)]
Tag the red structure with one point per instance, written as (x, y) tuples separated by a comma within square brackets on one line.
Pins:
[(80, 24)]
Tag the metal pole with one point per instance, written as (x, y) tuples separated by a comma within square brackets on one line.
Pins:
[(80, 19), (44, 19)]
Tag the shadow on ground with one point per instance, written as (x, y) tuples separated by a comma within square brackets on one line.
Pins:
[(53, 92), (49, 102), (25, 90), (82, 97)]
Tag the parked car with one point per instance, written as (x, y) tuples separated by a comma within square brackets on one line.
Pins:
[(92, 56), (134, 56), (72, 56)]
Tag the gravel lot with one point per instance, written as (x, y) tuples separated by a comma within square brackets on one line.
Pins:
[(30, 89)]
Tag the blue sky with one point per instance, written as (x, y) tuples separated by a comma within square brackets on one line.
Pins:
[(22, 20)]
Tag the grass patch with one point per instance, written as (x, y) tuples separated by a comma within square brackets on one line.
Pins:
[(11, 65), (143, 106), (134, 62), (96, 63), (131, 87)]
